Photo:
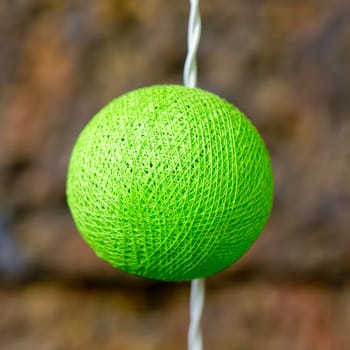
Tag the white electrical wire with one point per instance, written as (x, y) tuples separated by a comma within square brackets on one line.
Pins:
[(193, 36), (190, 80), (196, 309)]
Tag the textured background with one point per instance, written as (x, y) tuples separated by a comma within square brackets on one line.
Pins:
[(286, 64)]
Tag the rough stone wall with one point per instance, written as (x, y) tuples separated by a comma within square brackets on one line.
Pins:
[(286, 64)]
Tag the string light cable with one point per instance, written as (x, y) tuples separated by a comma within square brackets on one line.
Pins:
[(193, 37), (190, 80)]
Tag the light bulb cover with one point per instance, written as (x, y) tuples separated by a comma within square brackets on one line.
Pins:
[(170, 183)]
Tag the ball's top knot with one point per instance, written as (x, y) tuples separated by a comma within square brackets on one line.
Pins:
[(170, 183)]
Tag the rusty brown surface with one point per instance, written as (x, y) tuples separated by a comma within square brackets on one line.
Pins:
[(285, 64)]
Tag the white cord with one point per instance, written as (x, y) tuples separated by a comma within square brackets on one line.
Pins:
[(190, 80), (193, 36), (196, 309)]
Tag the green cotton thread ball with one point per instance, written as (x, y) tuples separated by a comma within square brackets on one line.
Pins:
[(170, 183)]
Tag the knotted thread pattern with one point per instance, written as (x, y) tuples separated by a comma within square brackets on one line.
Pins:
[(170, 183)]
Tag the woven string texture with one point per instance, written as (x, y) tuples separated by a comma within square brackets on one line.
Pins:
[(170, 183)]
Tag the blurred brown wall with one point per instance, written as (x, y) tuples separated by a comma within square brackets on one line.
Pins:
[(286, 64)]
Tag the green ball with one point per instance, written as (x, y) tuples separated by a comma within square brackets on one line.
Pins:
[(170, 183)]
